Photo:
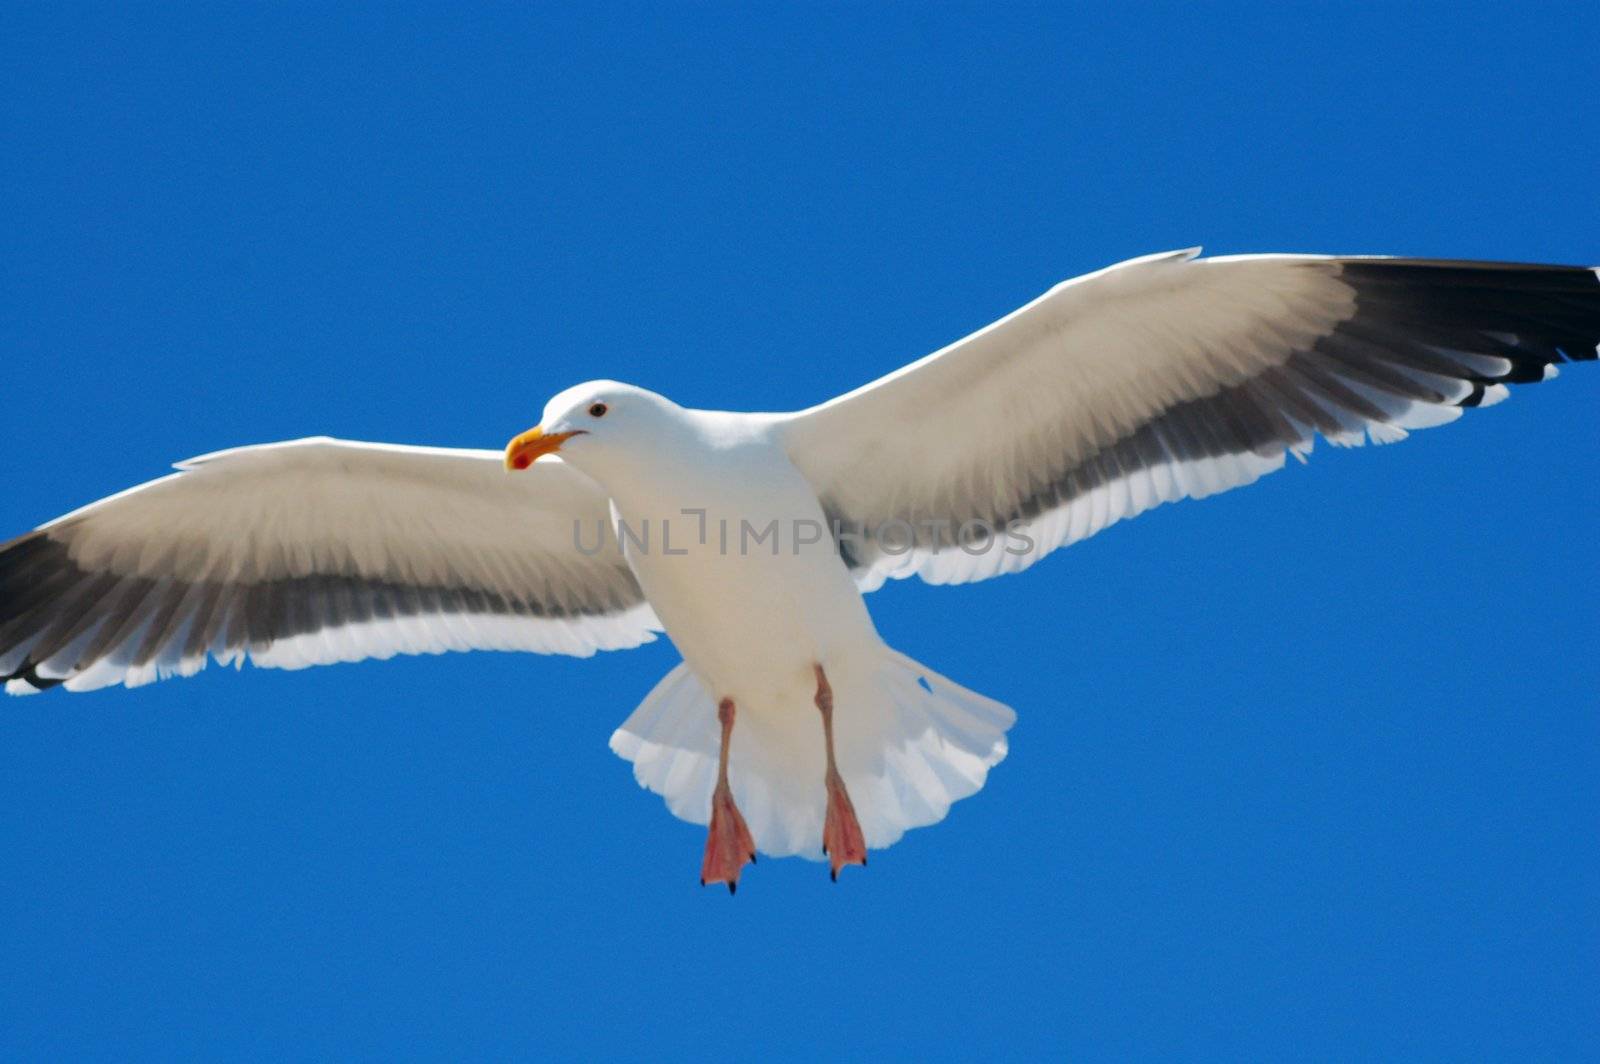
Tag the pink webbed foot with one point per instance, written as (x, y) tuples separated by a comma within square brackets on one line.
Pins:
[(842, 840), (729, 846)]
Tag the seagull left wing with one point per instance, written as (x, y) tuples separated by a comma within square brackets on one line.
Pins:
[(311, 552), (1162, 378)]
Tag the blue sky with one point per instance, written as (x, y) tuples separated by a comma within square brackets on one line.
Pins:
[(1310, 769)]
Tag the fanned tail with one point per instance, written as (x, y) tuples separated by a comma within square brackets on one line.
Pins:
[(909, 743)]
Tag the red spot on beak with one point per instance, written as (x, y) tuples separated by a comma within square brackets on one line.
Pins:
[(527, 448)]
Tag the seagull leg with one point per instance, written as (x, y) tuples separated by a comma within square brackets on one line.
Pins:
[(728, 843), (842, 840)]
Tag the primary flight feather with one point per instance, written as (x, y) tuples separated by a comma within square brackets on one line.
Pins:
[(790, 727)]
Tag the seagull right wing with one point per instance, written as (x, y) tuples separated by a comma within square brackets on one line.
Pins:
[(311, 552)]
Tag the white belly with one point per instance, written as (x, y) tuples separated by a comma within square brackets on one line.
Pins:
[(752, 592), (754, 595)]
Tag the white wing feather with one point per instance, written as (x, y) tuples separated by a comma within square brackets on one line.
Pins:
[(1162, 378), (311, 552)]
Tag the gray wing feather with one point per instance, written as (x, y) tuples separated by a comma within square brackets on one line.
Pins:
[(155, 582)]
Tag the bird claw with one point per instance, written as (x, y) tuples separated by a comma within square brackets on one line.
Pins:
[(729, 845), (842, 839)]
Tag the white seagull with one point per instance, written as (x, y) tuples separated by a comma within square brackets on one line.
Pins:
[(790, 726)]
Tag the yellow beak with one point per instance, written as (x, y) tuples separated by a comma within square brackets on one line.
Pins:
[(524, 450)]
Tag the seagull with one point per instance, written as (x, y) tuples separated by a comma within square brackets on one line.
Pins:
[(750, 539)]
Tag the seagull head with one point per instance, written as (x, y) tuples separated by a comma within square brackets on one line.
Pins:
[(588, 422)]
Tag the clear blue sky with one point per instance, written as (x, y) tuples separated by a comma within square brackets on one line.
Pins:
[(1311, 769)]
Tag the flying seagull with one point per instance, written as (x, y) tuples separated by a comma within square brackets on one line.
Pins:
[(790, 727)]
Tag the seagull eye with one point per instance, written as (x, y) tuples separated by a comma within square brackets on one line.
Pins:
[(597, 410)]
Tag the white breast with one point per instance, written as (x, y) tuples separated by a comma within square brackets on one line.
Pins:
[(734, 553)]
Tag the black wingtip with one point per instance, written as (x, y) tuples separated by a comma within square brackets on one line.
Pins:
[(28, 672)]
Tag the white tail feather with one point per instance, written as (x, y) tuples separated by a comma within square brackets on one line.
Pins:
[(909, 742)]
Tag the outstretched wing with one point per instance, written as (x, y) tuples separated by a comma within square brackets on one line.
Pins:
[(1162, 378), (310, 552)]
